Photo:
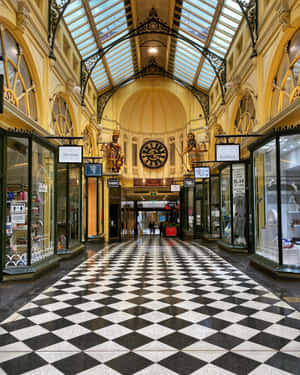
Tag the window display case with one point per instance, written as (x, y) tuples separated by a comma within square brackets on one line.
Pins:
[(69, 209), (94, 228), (198, 209), (29, 183), (233, 207), (187, 206), (276, 201), (211, 208)]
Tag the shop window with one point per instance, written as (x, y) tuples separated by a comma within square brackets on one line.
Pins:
[(61, 118), (226, 205), (17, 202), (42, 206), (74, 206), (245, 117), (290, 198), (19, 88), (286, 84), (266, 208)]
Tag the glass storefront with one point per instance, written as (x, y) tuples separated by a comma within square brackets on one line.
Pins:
[(234, 215), (69, 207), (198, 210), (215, 206), (276, 173), (30, 207), (94, 207), (206, 208)]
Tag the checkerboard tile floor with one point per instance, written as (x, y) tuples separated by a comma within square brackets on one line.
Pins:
[(161, 307)]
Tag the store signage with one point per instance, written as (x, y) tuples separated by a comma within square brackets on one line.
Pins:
[(93, 170), (70, 154), (188, 182), (113, 183), (43, 188), (238, 180), (175, 188), (228, 152), (202, 172)]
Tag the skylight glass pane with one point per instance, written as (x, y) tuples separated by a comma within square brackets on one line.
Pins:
[(99, 77), (123, 56)]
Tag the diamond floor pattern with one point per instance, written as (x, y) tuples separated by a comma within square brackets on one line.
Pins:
[(154, 306)]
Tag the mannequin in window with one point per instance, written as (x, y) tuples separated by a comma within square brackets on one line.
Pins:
[(192, 150), (115, 156)]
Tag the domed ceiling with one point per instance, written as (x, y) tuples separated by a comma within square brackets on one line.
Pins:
[(153, 111)]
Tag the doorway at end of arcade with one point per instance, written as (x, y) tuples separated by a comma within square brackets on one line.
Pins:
[(150, 218)]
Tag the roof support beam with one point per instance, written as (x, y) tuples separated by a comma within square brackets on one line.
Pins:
[(250, 12), (55, 14), (153, 69), (153, 25)]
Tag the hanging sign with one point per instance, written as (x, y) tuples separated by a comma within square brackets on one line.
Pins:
[(175, 188), (188, 182), (113, 183), (70, 154), (93, 170), (228, 152), (202, 172)]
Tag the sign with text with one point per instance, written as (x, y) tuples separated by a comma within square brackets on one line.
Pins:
[(113, 183), (175, 188), (202, 172), (228, 152), (70, 154), (188, 182), (93, 170)]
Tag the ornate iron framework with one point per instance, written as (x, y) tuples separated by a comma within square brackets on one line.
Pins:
[(153, 25), (250, 12), (153, 69), (56, 9)]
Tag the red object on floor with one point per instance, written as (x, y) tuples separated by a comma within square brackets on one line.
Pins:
[(171, 231)]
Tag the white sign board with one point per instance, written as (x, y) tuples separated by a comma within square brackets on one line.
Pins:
[(202, 172), (228, 152), (18, 218), (175, 188), (70, 154), (17, 208)]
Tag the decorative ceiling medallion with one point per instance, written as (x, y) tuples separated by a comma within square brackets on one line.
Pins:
[(153, 154)]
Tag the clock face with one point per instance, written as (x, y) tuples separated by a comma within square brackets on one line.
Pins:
[(153, 154)]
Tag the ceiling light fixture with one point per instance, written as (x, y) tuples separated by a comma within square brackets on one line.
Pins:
[(153, 50)]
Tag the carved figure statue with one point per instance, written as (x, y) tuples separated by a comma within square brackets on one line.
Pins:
[(115, 157), (192, 150)]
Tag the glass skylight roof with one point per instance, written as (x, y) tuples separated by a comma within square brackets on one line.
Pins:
[(197, 17), (95, 24), (109, 23)]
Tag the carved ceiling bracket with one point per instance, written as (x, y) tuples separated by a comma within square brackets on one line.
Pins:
[(250, 12), (56, 9)]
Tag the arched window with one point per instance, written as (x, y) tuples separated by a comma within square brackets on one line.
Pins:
[(61, 119), (245, 117), (19, 88), (286, 84)]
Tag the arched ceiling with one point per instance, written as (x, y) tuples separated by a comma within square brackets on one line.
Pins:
[(95, 24), (153, 111)]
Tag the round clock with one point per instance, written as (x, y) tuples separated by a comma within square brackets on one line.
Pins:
[(153, 154)]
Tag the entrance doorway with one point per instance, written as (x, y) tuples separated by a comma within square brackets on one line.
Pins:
[(94, 208)]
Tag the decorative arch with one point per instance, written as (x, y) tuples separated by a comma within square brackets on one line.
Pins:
[(153, 69), (19, 86), (286, 83), (153, 25), (61, 120)]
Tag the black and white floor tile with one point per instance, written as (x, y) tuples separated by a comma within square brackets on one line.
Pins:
[(155, 307)]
